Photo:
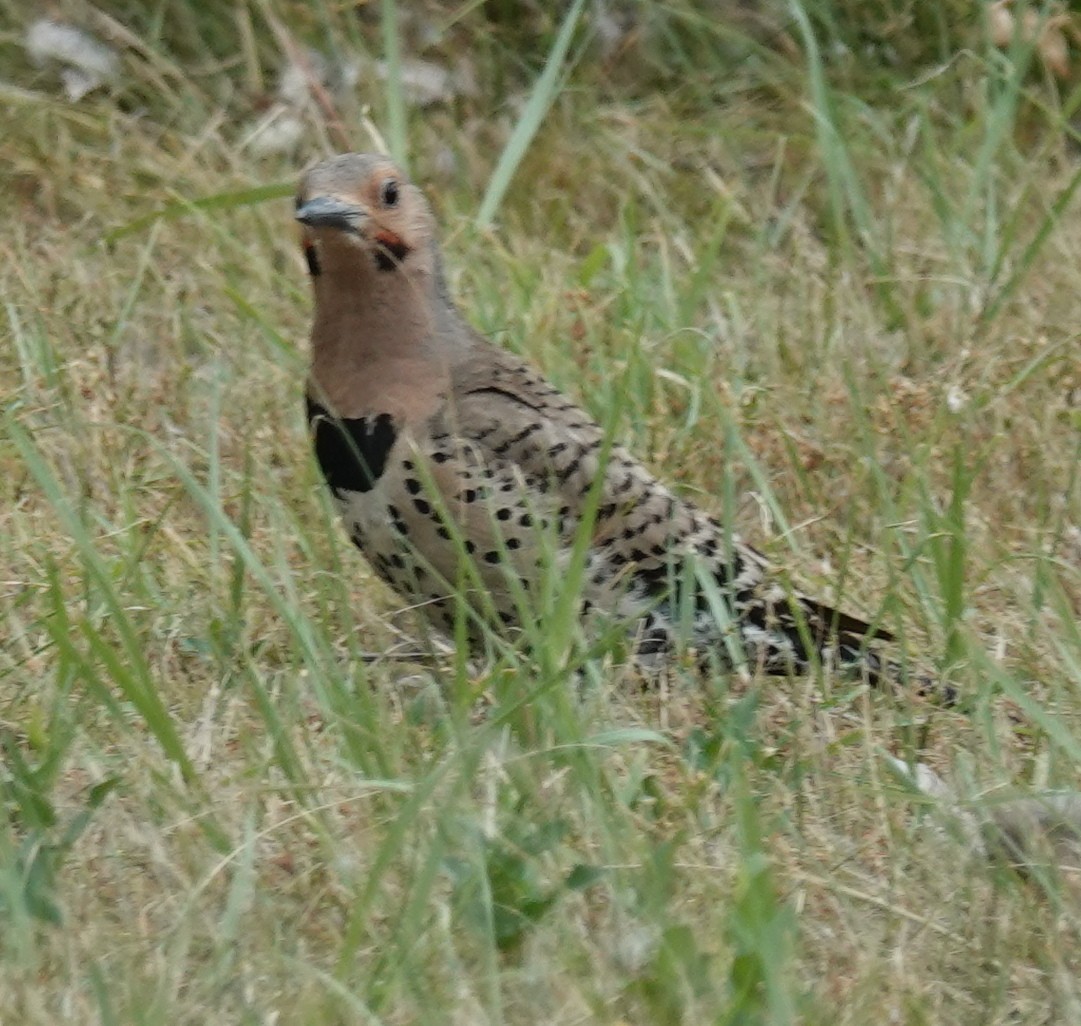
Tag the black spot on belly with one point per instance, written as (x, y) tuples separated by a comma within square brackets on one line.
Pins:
[(352, 452), (313, 260)]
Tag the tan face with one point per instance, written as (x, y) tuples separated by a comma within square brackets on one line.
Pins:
[(360, 205)]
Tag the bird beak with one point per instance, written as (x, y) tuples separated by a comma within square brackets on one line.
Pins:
[(330, 212)]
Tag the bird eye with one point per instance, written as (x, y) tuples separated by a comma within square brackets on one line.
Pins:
[(388, 194)]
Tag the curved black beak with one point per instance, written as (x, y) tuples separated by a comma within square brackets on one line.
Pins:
[(329, 212)]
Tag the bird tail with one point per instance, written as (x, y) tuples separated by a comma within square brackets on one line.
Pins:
[(843, 640), (763, 626)]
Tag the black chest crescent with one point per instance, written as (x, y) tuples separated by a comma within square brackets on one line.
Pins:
[(352, 452)]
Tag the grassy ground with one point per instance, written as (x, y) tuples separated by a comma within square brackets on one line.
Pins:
[(824, 279)]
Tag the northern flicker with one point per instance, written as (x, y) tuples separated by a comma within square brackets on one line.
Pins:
[(459, 470)]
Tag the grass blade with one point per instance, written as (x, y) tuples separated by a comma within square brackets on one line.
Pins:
[(129, 668), (541, 98), (184, 207), (396, 112)]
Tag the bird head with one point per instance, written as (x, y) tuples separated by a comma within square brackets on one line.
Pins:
[(358, 211)]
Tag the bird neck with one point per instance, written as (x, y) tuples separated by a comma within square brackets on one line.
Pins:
[(383, 341)]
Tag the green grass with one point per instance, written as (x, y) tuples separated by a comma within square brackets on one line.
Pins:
[(831, 297)]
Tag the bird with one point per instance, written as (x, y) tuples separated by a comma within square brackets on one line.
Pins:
[(463, 475)]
